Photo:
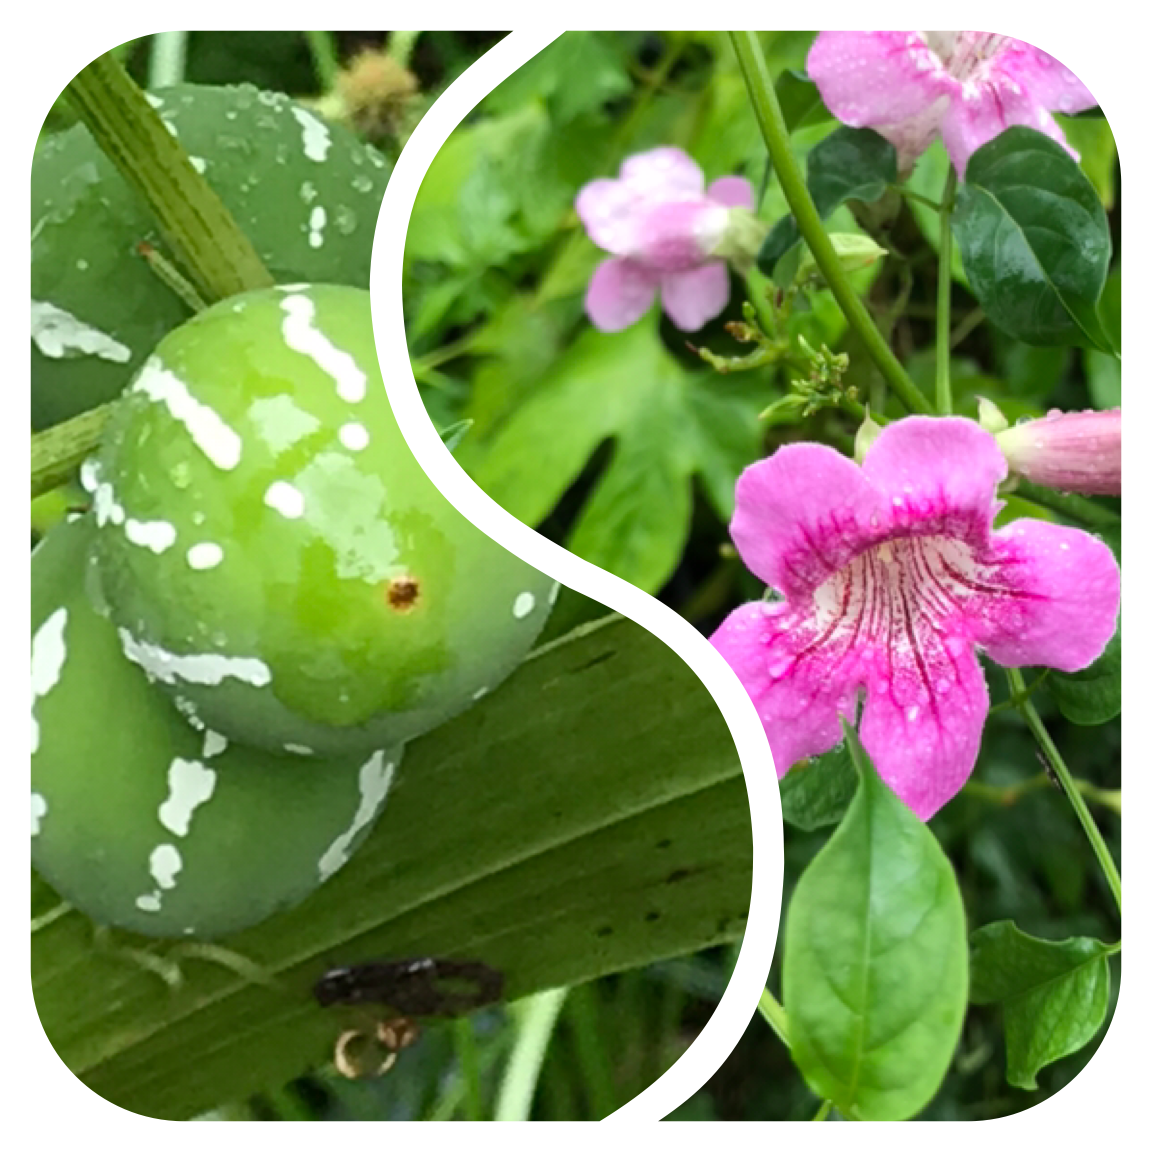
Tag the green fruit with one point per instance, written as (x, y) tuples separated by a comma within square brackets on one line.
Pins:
[(305, 192), (144, 822), (271, 550)]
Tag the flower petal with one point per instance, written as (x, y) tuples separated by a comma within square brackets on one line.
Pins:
[(937, 474), (732, 192), (1059, 599), (663, 173), (680, 235), (925, 750), (608, 210), (1043, 77), (869, 79), (800, 515), (693, 298), (984, 110), (619, 293), (800, 686)]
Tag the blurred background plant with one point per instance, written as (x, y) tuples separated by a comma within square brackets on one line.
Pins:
[(626, 446)]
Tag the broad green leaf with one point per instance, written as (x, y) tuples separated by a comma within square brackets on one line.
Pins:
[(800, 100), (1091, 696), (817, 792), (1054, 993), (1034, 239), (875, 959), (851, 164), (588, 817), (666, 424), (1092, 137)]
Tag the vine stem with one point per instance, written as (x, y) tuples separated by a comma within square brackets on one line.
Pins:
[(537, 1021), (773, 1011), (192, 216), (944, 300), (59, 450), (1087, 512), (1067, 783), (775, 133)]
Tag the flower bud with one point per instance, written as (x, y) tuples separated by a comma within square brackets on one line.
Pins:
[(855, 251), (1070, 451)]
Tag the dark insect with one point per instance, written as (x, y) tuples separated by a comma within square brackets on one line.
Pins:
[(418, 987)]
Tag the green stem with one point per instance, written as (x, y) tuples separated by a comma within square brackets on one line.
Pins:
[(325, 61), (166, 63), (1056, 762), (908, 194), (191, 215), (469, 1057), (1008, 794), (400, 45), (944, 300), (1087, 512), (775, 133), (773, 1011), (58, 451), (582, 1016), (823, 1110), (536, 1021)]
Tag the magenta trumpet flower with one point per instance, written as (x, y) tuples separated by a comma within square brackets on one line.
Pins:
[(666, 233), (892, 578), (964, 86)]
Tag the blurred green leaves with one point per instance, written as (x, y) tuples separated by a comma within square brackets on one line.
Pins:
[(667, 425)]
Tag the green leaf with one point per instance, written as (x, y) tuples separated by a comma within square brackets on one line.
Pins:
[(851, 164), (875, 959), (588, 817), (817, 792), (1092, 137), (667, 425), (1092, 695), (577, 72), (800, 100), (1034, 240), (1054, 993)]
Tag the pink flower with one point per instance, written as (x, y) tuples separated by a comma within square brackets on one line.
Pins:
[(663, 230), (1072, 451), (892, 576), (965, 86)]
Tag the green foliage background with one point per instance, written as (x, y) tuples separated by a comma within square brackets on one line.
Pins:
[(626, 447)]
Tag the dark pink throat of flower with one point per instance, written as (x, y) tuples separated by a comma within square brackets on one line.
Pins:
[(911, 603)]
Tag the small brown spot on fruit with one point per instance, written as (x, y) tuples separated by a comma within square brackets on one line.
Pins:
[(403, 593)]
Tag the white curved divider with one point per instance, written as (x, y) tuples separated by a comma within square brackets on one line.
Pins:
[(739, 1001)]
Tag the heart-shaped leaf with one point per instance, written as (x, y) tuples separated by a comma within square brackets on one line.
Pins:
[(1055, 993), (817, 792)]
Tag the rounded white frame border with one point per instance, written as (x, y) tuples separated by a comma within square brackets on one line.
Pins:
[(738, 1004)]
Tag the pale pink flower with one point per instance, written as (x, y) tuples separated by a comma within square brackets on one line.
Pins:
[(892, 577), (1071, 451), (965, 86), (663, 229)]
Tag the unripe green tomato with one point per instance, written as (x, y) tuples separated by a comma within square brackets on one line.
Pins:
[(145, 822), (271, 550), (305, 192)]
